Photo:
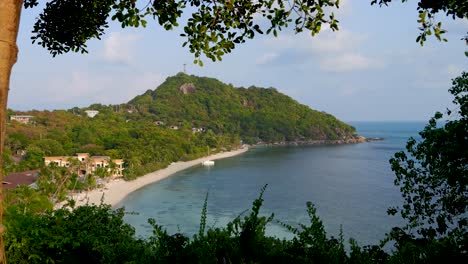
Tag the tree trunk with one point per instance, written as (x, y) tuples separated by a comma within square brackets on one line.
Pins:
[(10, 11)]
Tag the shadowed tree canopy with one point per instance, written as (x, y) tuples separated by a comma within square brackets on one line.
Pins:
[(428, 10), (213, 27), (433, 174)]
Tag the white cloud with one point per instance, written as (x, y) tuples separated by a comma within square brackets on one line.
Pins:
[(84, 88), (337, 51), (266, 58), (453, 70), (118, 47), (349, 62), (338, 41), (326, 40)]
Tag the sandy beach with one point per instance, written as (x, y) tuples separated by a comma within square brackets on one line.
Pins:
[(115, 191)]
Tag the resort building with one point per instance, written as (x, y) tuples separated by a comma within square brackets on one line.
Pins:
[(85, 164), (92, 113), (23, 119)]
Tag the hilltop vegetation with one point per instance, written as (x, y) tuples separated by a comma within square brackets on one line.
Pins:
[(253, 113), (156, 128)]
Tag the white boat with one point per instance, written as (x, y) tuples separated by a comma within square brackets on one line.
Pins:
[(207, 163)]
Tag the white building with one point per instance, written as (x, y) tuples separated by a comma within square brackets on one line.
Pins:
[(92, 113), (23, 119)]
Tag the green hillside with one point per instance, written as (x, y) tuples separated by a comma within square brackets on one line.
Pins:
[(253, 113), (184, 118)]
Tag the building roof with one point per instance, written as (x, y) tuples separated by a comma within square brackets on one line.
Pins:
[(57, 158), (13, 180), (22, 116)]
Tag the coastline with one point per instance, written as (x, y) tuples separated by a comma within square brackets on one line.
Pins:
[(115, 191), (351, 140)]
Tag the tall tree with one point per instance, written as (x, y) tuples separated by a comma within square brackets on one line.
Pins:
[(433, 175), (9, 22)]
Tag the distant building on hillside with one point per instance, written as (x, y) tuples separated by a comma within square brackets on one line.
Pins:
[(198, 129), (88, 164), (174, 127), (159, 123), (16, 179), (92, 113), (23, 119)]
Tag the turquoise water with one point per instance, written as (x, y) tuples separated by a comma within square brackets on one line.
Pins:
[(351, 186)]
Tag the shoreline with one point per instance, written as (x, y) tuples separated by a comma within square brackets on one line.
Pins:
[(115, 191), (346, 141)]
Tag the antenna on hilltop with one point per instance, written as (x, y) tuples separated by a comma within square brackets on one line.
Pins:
[(185, 70)]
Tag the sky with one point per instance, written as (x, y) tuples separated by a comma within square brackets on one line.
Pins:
[(370, 70)]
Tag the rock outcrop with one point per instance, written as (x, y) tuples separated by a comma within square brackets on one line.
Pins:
[(187, 88)]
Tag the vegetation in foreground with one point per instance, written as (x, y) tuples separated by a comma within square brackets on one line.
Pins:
[(98, 234), (432, 175)]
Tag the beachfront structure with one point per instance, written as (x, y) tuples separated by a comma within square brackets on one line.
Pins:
[(23, 119), (86, 164), (92, 113)]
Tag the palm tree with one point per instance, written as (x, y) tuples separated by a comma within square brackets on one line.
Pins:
[(113, 169)]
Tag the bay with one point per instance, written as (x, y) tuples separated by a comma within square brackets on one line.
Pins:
[(351, 186)]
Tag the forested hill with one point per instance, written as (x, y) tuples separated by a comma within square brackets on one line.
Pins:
[(184, 118), (253, 113)]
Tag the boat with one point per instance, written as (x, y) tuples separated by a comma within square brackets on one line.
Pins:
[(208, 163)]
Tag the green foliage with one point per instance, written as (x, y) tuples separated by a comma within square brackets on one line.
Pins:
[(225, 114), (54, 181), (432, 174), (8, 165), (49, 147), (201, 231), (433, 179), (213, 29), (24, 200), (98, 234), (33, 159), (428, 10), (88, 234), (66, 25), (254, 113), (16, 142)]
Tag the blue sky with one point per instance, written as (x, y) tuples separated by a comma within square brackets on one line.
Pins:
[(371, 69)]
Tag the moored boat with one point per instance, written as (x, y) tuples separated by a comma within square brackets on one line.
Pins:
[(208, 163)]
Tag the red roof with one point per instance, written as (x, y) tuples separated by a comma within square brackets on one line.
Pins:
[(13, 180)]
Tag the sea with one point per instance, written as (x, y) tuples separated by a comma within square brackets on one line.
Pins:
[(352, 186)]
